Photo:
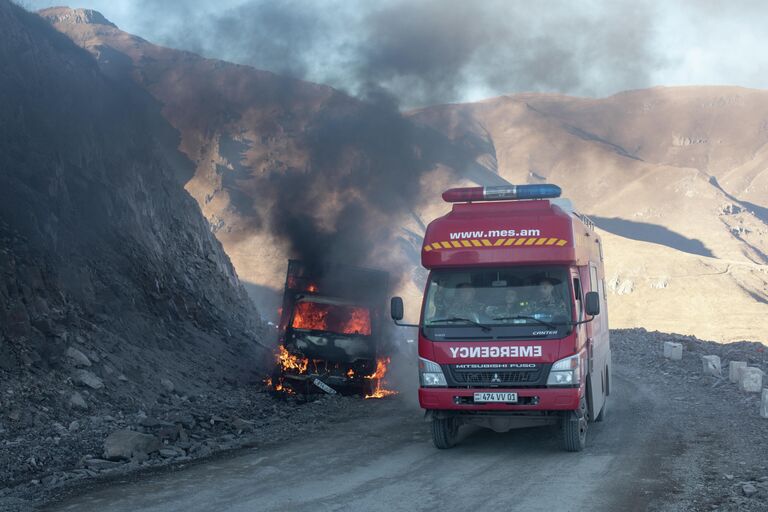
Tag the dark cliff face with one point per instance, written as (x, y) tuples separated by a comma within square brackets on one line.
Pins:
[(100, 245)]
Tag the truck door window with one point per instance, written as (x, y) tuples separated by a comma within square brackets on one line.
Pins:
[(592, 279), (577, 296)]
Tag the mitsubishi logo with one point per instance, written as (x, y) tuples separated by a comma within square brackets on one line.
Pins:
[(495, 378)]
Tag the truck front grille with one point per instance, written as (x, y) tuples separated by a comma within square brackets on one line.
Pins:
[(495, 377)]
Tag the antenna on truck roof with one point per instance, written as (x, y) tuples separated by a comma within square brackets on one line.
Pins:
[(502, 193)]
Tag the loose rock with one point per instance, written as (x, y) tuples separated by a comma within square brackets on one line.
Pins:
[(87, 378), (168, 385), (711, 365), (128, 444), (100, 464), (748, 489), (76, 401), (78, 357)]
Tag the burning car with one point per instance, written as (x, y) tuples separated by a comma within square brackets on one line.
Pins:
[(330, 331)]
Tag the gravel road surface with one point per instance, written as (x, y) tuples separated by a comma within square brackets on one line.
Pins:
[(673, 440)]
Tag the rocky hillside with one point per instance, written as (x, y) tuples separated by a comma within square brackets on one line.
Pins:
[(114, 294), (674, 176), (235, 124)]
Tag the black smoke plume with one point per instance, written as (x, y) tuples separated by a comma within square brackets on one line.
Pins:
[(363, 175)]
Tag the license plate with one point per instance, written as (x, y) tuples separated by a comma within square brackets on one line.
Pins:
[(496, 397), (325, 387)]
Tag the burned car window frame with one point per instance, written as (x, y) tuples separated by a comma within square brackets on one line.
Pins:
[(329, 303)]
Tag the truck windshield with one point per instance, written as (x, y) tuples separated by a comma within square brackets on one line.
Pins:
[(328, 315), (532, 300)]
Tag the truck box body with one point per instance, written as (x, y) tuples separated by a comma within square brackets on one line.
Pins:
[(504, 302)]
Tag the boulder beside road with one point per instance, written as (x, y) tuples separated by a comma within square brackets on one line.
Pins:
[(128, 444)]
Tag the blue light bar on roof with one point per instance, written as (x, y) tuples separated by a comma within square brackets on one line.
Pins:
[(502, 193)]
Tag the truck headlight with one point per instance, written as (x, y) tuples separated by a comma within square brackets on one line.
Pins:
[(566, 372), (430, 374)]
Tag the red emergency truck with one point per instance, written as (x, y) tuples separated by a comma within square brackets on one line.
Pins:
[(513, 330)]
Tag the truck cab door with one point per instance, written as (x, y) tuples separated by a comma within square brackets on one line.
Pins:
[(598, 349)]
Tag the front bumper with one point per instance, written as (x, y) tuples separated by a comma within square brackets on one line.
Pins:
[(529, 399)]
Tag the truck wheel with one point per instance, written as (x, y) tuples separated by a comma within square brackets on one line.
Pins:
[(574, 427), (445, 432)]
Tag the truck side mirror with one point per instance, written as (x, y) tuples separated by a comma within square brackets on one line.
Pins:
[(592, 303), (396, 308)]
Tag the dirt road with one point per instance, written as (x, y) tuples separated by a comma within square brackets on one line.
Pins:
[(386, 462), (670, 442)]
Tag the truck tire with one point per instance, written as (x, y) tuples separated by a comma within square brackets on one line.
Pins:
[(445, 432), (574, 429)]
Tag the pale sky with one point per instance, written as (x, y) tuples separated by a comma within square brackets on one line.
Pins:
[(434, 51)]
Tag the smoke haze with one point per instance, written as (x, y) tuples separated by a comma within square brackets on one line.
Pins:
[(424, 52)]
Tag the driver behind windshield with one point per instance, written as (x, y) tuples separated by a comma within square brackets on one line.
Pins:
[(547, 302), (463, 304)]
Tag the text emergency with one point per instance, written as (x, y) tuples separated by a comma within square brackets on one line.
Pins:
[(507, 351)]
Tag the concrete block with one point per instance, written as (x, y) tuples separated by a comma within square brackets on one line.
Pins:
[(764, 404), (673, 350), (734, 369), (751, 380), (711, 365)]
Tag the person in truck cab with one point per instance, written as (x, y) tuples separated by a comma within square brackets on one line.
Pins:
[(548, 302), (511, 305), (464, 304)]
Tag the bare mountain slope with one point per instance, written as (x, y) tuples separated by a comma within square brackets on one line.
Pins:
[(235, 124), (674, 173)]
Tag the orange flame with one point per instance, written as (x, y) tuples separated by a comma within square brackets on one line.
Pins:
[(332, 318), (287, 361), (290, 361), (381, 370), (350, 373)]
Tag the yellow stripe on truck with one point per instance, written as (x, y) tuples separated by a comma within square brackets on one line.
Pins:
[(499, 242)]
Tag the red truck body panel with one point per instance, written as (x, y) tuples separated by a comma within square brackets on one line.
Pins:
[(474, 234)]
